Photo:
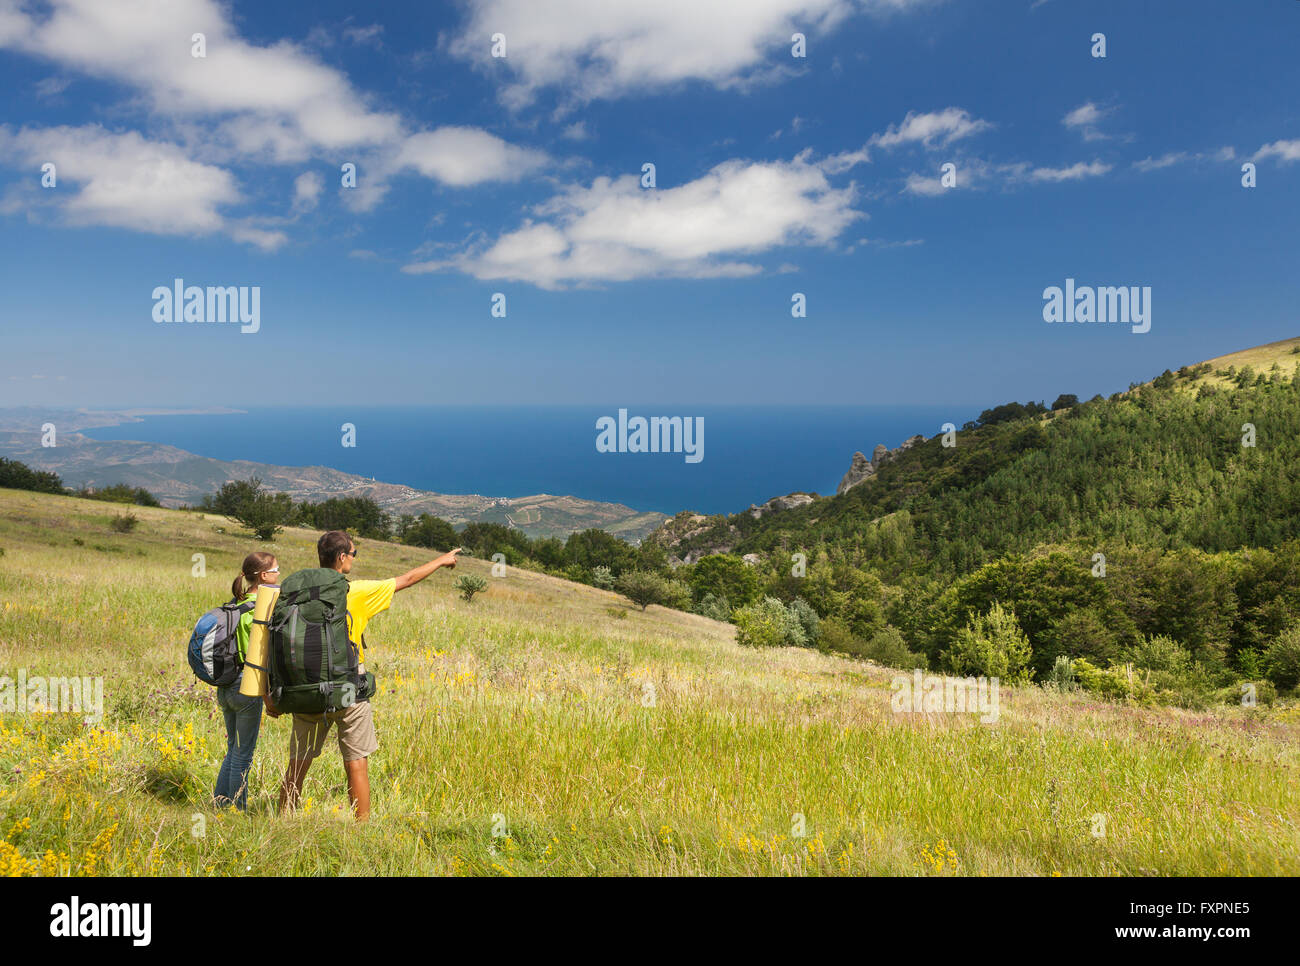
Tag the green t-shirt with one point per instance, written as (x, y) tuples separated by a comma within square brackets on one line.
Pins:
[(245, 626)]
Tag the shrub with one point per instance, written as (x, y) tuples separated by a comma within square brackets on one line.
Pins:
[(724, 575), (888, 647), (768, 623), (19, 476), (836, 636), (1062, 676), (1083, 633), (125, 522), (1265, 693), (677, 594), (468, 585), (1161, 653), (992, 645), (602, 577), (1250, 662), (121, 493), (1110, 682), (809, 622), (1282, 659), (714, 607)]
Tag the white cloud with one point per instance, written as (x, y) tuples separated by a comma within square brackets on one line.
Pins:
[(371, 35), (925, 185), (576, 131), (307, 188), (1085, 118), (278, 90), (241, 103), (599, 49), (1074, 172), (1282, 150), (461, 156), (944, 127), (125, 181), (51, 86), (1164, 161), (1171, 158), (262, 238), (1084, 114), (615, 230), (971, 173)]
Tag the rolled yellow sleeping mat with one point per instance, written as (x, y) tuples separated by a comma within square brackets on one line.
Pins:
[(259, 641)]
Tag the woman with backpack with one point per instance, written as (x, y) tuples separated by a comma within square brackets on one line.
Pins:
[(243, 714)]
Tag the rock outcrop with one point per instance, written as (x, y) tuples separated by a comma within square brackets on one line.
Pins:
[(719, 535), (778, 503), (864, 469)]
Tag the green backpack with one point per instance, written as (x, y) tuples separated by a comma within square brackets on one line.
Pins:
[(313, 666)]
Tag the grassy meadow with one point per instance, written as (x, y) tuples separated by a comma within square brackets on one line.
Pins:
[(592, 738)]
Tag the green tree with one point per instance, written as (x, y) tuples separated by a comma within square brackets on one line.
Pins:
[(233, 496), (18, 476), (888, 647), (121, 493), (724, 575), (714, 607), (991, 645), (643, 588), (596, 548), (356, 514), (768, 623), (1282, 659), (429, 531), (265, 514)]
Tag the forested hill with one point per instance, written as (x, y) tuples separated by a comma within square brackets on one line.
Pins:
[(1170, 464)]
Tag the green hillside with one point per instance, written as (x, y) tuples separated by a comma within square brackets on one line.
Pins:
[(1169, 513), (596, 738)]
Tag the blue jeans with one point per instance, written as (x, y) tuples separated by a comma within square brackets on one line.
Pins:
[(243, 720)]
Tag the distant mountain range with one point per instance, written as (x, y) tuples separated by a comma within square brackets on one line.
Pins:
[(177, 477)]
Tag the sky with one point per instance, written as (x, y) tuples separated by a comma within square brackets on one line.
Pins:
[(522, 175)]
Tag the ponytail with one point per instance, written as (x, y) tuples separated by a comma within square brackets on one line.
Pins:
[(253, 565)]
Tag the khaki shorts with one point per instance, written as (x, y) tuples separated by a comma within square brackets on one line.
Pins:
[(356, 733)]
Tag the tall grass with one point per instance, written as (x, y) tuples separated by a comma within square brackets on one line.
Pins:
[(532, 732)]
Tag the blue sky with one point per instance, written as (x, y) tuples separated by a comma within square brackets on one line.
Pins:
[(520, 175)]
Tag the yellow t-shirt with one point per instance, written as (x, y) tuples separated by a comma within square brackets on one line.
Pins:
[(366, 598)]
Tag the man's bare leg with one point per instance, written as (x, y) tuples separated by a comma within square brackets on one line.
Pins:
[(359, 787)]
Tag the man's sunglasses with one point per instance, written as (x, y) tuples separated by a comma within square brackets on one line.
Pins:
[(350, 553)]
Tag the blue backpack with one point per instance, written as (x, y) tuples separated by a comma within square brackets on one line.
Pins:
[(213, 651)]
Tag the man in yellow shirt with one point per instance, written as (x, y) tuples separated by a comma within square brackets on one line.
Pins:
[(357, 742)]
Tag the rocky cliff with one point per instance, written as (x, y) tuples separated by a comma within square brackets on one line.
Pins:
[(864, 469)]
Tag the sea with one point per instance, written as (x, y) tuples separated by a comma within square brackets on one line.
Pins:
[(750, 453)]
